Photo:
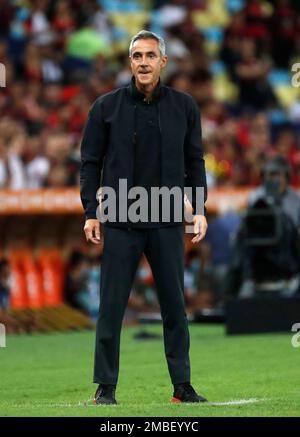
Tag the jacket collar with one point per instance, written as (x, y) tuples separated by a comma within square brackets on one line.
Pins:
[(139, 96)]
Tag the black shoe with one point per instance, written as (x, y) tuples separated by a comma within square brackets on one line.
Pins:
[(185, 393), (105, 394)]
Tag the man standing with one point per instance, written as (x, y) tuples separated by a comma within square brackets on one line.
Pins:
[(148, 135)]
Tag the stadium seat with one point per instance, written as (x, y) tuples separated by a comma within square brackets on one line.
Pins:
[(18, 292), (279, 77), (34, 283), (52, 271), (216, 14), (224, 89), (286, 94), (235, 5), (130, 22)]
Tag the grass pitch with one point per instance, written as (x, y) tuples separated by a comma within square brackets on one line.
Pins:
[(50, 375)]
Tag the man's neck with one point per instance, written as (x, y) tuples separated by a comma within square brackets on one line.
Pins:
[(147, 89)]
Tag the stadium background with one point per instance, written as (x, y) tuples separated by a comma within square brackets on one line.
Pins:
[(235, 58)]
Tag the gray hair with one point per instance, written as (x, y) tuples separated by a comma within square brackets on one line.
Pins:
[(146, 34)]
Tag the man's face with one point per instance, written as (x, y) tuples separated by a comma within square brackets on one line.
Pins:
[(146, 62), (281, 180)]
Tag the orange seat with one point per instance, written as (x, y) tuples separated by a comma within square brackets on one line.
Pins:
[(27, 284), (52, 269), (34, 281), (18, 291)]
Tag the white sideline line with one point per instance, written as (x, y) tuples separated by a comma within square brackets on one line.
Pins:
[(238, 402), (89, 404)]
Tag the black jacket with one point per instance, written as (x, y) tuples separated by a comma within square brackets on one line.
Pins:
[(108, 144)]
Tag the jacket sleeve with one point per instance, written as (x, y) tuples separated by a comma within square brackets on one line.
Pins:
[(195, 175), (93, 148)]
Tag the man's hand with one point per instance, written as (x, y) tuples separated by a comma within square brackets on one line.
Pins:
[(200, 228), (92, 231)]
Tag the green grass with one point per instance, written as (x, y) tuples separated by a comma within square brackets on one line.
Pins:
[(50, 375)]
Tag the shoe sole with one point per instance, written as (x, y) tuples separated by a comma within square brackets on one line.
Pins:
[(179, 401), (103, 403)]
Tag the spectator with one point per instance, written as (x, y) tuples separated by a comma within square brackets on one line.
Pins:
[(76, 280), (251, 73), (5, 284), (63, 22), (63, 169), (61, 55), (219, 250), (278, 171), (266, 255), (191, 276), (283, 29), (38, 24)]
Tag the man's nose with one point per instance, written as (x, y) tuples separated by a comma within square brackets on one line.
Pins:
[(144, 61)]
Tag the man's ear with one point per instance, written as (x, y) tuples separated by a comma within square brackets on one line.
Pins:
[(164, 61)]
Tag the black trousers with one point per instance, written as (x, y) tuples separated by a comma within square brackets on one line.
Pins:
[(123, 249)]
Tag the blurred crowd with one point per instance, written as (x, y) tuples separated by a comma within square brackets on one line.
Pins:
[(233, 56)]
